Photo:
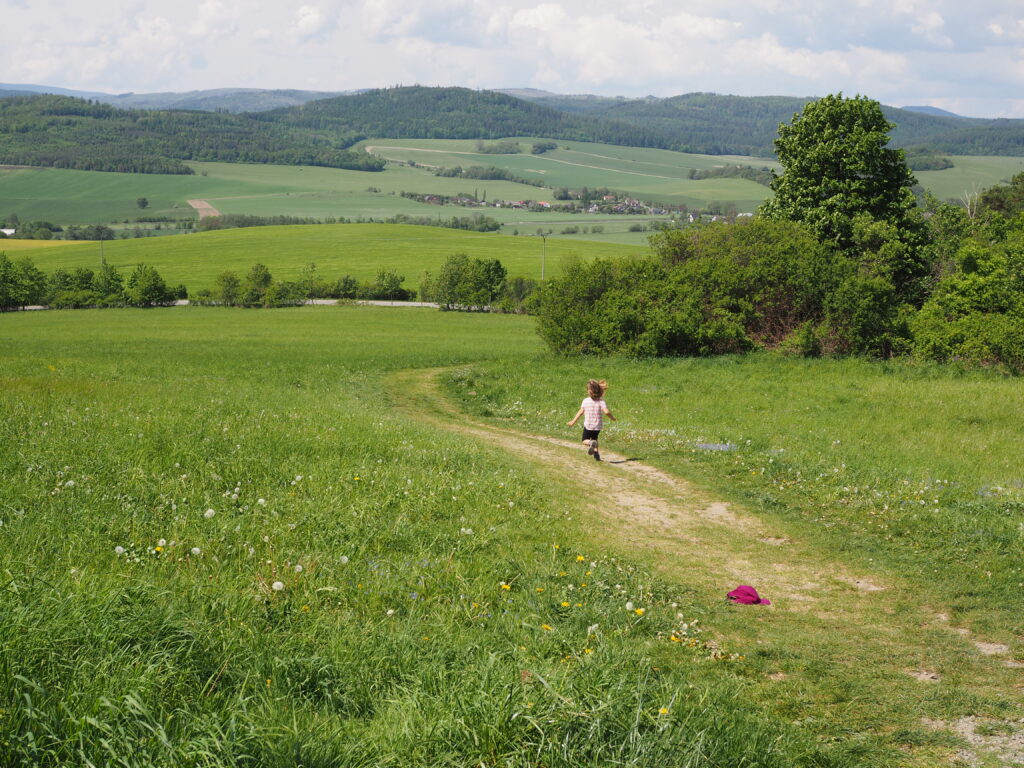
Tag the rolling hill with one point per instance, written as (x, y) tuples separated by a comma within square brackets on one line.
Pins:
[(65, 132)]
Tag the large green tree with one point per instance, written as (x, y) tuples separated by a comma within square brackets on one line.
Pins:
[(840, 175)]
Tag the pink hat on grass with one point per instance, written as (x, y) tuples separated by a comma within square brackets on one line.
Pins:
[(747, 595)]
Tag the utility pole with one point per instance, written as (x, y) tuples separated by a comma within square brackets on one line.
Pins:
[(543, 256)]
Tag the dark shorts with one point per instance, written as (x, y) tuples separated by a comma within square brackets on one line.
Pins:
[(590, 434)]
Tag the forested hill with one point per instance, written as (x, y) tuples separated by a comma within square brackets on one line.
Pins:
[(747, 125), (66, 132), (456, 113)]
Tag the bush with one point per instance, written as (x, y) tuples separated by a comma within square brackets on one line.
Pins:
[(465, 284), (146, 288), (76, 299), (976, 313)]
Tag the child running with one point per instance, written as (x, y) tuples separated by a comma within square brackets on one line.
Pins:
[(593, 411)]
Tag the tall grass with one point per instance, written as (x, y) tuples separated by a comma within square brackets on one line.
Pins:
[(222, 546), (916, 467)]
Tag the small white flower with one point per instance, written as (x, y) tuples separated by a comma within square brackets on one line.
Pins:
[(343, 559), (118, 550), (391, 612), (298, 477), (629, 605), (261, 502), (209, 513), (196, 551), (234, 497), (277, 586), (298, 569), (162, 543)]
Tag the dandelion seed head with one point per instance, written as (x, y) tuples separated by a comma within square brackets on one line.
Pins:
[(209, 513), (118, 550), (343, 559), (298, 569)]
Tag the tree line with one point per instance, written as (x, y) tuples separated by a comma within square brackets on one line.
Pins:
[(22, 284)]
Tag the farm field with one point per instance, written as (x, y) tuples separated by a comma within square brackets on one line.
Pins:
[(321, 560), (650, 174), (82, 197), (359, 250), (970, 174)]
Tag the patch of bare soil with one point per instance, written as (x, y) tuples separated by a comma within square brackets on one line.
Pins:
[(1002, 739), (204, 209), (991, 649), (924, 675), (863, 585)]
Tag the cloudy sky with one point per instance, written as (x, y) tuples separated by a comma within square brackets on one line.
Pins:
[(965, 57)]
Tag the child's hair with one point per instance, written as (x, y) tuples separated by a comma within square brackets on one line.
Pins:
[(596, 388)]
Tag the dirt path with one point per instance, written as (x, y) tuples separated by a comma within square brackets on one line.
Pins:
[(827, 616), (654, 509), (204, 208)]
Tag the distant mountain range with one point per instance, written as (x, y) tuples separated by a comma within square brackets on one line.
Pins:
[(696, 122), (234, 100)]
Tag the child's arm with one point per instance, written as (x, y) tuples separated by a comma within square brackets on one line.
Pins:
[(575, 418), (607, 412)]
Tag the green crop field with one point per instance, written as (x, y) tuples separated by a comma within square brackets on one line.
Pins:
[(239, 537), (969, 174), (83, 197), (650, 174), (359, 250)]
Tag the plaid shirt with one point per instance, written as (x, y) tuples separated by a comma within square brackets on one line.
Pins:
[(593, 414)]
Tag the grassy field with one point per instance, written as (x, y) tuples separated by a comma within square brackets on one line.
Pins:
[(225, 543), (908, 465), (909, 475), (337, 249)]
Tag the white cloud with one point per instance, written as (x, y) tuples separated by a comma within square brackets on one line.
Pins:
[(215, 18), (310, 21)]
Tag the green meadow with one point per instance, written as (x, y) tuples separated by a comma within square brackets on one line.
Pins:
[(228, 541), (242, 537), (359, 250)]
